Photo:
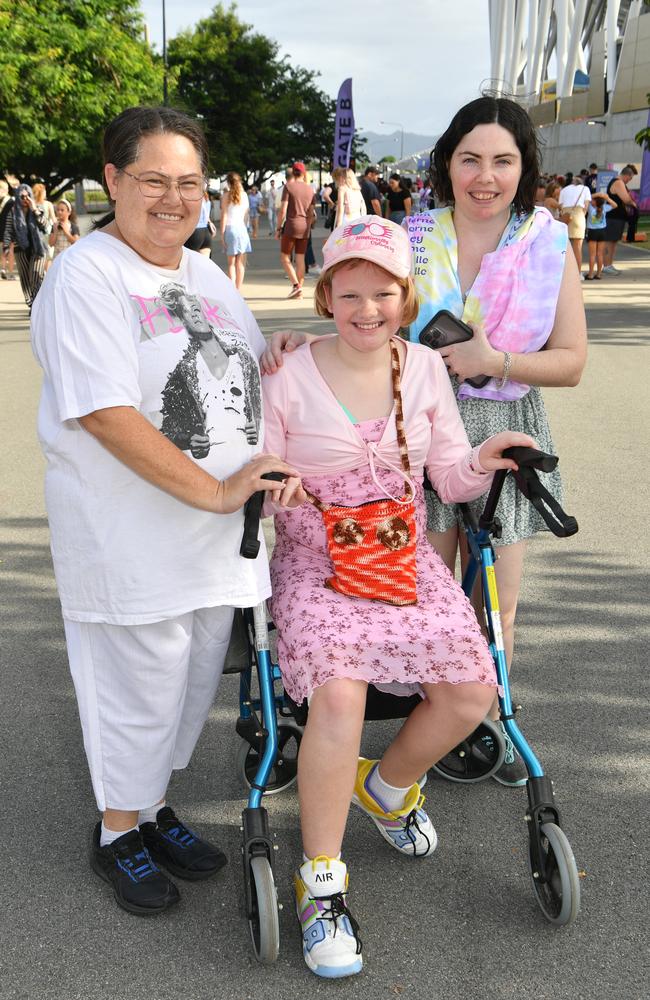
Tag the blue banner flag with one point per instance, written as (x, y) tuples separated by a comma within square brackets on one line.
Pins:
[(344, 128)]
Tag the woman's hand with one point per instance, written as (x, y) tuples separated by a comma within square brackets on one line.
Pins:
[(473, 357), (232, 493), (291, 495), (281, 340), (491, 451)]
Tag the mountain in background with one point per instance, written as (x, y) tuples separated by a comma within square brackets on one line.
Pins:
[(378, 145)]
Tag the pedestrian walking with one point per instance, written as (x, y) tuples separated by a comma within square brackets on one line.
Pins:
[(150, 420), (601, 205), (66, 231), (296, 216), (350, 203), (25, 228), (234, 228), (574, 201), (6, 205), (201, 238), (270, 200), (370, 191), (398, 199), (618, 217), (255, 202), (40, 197)]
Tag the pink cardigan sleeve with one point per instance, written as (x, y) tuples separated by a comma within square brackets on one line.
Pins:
[(452, 465), (275, 401)]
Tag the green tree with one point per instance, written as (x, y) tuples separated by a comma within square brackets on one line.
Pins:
[(260, 112), (66, 68)]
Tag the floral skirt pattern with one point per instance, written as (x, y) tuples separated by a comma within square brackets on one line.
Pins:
[(323, 634), (482, 419)]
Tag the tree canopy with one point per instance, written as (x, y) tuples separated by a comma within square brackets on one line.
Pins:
[(260, 113), (66, 68)]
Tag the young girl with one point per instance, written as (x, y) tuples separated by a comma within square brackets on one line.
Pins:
[(333, 411), (597, 211), (66, 230)]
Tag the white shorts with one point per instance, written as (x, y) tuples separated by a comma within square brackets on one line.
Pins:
[(144, 693)]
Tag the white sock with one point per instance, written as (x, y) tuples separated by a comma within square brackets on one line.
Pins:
[(108, 836), (387, 796), (149, 815)]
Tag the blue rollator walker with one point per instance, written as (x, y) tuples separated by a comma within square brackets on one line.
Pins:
[(271, 724)]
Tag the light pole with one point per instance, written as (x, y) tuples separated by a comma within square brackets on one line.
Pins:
[(401, 127), (164, 41)]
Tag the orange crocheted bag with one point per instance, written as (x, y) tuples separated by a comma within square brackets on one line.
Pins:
[(372, 546)]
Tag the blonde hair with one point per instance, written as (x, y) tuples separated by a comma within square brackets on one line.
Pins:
[(410, 307), (234, 187), (39, 192)]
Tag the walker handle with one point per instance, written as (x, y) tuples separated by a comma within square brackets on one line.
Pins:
[(250, 543)]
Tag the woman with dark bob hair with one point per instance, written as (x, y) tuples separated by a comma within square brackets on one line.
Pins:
[(494, 259), (499, 262), (150, 420)]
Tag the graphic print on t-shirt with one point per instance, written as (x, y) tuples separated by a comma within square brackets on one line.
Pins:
[(212, 393)]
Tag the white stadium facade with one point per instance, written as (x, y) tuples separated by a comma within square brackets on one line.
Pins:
[(581, 68)]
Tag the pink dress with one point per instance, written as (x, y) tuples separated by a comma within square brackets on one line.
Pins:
[(323, 634)]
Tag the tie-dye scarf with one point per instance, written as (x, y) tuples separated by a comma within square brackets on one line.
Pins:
[(514, 295)]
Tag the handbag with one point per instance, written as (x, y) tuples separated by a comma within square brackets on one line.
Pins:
[(373, 545), (566, 215)]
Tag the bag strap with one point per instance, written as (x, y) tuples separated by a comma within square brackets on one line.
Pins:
[(395, 369)]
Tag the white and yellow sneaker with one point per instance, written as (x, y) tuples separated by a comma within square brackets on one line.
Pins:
[(408, 829), (330, 934)]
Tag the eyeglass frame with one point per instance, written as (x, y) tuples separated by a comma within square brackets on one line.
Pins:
[(170, 181)]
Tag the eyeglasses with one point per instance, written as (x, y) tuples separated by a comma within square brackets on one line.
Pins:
[(156, 185)]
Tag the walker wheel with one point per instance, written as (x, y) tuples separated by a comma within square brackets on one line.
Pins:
[(559, 894), (264, 924), (285, 769), (476, 758)]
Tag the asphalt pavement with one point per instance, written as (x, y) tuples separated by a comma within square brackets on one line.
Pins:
[(460, 926)]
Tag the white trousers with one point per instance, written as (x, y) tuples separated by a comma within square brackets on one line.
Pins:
[(144, 693)]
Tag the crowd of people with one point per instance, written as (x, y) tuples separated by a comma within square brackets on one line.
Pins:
[(177, 407)]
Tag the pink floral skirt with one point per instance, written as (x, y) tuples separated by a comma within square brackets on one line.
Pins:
[(323, 634)]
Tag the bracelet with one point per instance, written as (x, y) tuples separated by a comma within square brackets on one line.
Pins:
[(477, 472), (507, 364)]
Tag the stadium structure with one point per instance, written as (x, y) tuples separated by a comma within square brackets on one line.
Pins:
[(581, 68)]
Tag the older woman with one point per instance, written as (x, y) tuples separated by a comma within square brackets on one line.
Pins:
[(494, 259), (151, 426)]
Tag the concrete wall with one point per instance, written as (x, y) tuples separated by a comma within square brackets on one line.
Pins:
[(573, 145)]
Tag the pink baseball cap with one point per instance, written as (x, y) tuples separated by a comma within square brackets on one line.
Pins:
[(370, 238)]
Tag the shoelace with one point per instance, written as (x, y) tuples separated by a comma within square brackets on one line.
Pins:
[(337, 908), (509, 755), (179, 834), (411, 824), (137, 866)]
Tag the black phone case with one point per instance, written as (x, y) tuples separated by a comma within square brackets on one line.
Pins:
[(446, 329)]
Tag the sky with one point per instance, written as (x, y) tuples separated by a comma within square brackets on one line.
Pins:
[(412, 65)]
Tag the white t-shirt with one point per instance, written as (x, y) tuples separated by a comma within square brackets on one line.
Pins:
[(108, 330), (574, 196)]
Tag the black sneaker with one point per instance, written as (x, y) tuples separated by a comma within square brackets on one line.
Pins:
[(178, 849), (513, 770), (138, 886)]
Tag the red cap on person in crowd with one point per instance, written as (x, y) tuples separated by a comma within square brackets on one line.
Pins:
[(300, 166)]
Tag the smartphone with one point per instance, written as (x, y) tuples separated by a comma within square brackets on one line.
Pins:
[(445, 329)]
